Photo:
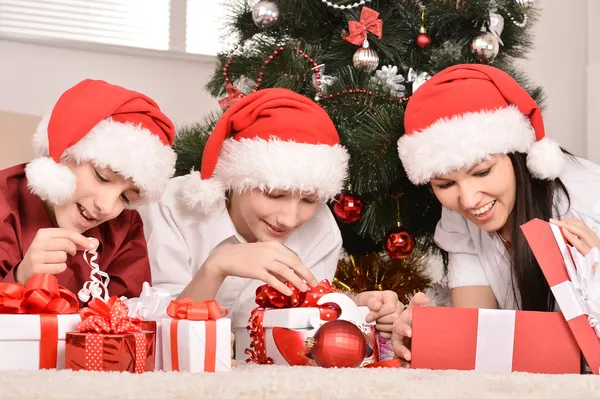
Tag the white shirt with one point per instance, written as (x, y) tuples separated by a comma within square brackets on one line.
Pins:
[(479, 258), (180, 240)]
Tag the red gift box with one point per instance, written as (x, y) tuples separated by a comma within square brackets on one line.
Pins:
[(557, 263), (493, 341), (109, 340)]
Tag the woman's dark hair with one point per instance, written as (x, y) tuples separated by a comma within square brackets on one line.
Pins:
[(534, 199)]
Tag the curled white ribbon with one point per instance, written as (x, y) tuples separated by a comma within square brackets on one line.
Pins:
[(586, 283), (151, 304), (98, 286), (496, 26)]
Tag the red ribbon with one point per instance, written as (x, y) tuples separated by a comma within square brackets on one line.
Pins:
[(110, 318), (42, 295), (368, 23), (207, 311), (233, 95), (269, 298)]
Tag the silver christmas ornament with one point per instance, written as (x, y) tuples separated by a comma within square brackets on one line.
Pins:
[(365, 58), (485, 47), (265, 14), (389, 78)]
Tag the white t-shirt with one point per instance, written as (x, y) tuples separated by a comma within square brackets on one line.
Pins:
[(180, 240), (479, 258)]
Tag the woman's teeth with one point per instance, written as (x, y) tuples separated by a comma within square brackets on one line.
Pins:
[(483, 209)]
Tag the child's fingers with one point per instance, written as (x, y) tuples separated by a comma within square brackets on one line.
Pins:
[(275, 283)]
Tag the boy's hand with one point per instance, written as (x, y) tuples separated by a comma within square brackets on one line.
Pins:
[(49, 251)]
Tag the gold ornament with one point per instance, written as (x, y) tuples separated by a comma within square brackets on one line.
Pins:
[(485, 46), (365, 58)]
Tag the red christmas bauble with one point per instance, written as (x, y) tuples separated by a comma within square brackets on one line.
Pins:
[(348, 208), (338, 343), (423, 40), (399, 244)]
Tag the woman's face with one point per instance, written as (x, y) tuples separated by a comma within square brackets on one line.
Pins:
[(271, 216), (483, 193), (100, 195)]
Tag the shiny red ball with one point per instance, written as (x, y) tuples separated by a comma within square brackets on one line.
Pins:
[(339, 343), (348, 208), (423, 40), (399, 244)]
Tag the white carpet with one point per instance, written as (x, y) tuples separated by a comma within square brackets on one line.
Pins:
[(296, 383)]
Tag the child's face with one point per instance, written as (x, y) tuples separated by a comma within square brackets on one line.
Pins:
[(272, 216), (100, 195), (484, 194)]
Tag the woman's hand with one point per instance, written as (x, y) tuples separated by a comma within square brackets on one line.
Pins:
[(578, 234), (403, 327)]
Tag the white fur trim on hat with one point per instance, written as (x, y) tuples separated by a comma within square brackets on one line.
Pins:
[(545, 159), (129, 150), (204, 195), (272, 165), (50, 181), (464, 140)]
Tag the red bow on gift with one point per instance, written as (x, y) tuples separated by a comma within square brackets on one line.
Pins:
[(233, 95), (269, 298), (108, 318), (187, 309), (368, 23), (42, 294)]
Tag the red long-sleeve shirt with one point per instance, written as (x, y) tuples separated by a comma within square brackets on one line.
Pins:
[(122, 252)]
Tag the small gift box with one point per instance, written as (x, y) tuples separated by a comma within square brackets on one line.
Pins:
[(109, 340), (34, 320), (151, 308), (197, 337), (280, 326), (574, 281), (491, 340)]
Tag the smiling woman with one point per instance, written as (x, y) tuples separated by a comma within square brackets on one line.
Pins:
[(496, 170), (83, 178)]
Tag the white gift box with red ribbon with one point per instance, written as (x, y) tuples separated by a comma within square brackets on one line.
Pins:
[(574, 282)]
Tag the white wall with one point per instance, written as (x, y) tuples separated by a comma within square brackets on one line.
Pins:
[(33, 76), (564, 62), (559, 63), (593, 82)]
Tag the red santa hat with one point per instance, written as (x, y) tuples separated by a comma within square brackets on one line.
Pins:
[(109, 126), (466, 113), (273, 139)]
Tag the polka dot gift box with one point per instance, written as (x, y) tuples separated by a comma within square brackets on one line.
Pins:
[(284, 329), (109, 340)]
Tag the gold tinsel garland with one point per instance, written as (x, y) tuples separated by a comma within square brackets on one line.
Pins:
[(378, 272)]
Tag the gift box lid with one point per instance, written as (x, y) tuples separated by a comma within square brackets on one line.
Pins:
[(26, 327), (551, 251)]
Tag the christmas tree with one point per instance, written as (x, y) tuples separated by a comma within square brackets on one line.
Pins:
[(361, 60)]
